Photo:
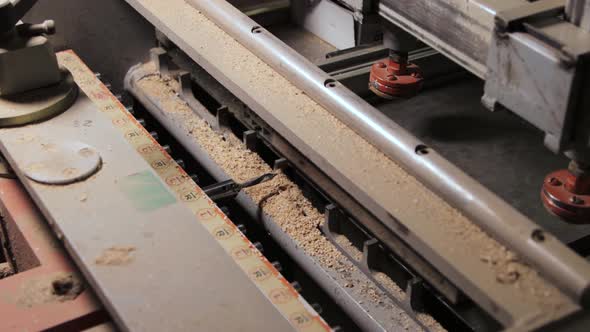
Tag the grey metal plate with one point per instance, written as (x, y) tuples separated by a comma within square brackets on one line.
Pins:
[(459, 29), (326, 20), (153, 265)]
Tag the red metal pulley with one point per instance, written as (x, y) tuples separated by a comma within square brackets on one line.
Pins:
[(566, 194), (394, 77)]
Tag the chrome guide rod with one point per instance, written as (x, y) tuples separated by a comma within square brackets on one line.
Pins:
[(553, 259)]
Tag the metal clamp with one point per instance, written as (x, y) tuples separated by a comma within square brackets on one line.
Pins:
[(230, 188)]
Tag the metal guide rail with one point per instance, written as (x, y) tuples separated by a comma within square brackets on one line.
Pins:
[(257, 288)]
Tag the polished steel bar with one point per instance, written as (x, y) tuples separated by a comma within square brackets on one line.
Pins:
[(566, 269)]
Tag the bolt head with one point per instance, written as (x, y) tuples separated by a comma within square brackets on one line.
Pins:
[(49, 27)]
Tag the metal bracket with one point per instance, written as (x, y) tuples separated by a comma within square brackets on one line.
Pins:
[(512, 20), (534, 68)]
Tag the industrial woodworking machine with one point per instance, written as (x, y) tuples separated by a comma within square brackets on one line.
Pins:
[(295, 165)]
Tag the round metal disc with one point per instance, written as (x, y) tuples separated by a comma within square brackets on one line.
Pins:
[(61, 162), (39, 104)]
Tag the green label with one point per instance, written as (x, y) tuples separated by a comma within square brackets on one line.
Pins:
[(146, 192)]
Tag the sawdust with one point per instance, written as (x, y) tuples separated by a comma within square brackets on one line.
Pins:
[(390, 285), (5, 270), (430, 323), (60, 287), (348, 247), (116, 256), (279, 198)]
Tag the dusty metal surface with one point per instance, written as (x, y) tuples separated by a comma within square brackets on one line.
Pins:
[(461, 30), (327, 20), (472, 272), (306, 43), (123, 241), (28, 301)]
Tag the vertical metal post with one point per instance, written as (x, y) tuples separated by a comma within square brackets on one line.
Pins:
[(578, 12)]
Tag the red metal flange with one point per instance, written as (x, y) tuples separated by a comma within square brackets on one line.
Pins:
[(567, 195), (394, 77)]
